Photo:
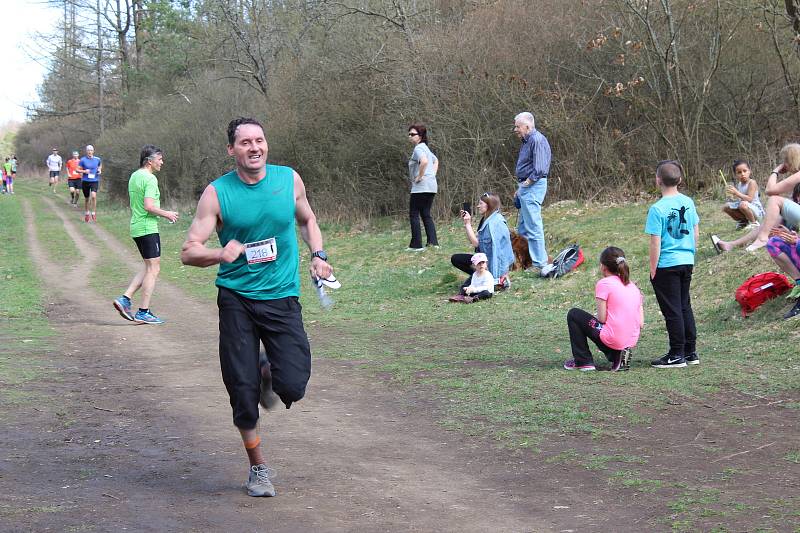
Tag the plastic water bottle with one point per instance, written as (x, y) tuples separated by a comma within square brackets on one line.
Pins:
[(325, 301)]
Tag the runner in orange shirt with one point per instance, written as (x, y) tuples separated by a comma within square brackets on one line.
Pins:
[(73, 179)]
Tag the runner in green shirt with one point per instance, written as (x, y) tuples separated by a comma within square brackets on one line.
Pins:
[(145, 210)]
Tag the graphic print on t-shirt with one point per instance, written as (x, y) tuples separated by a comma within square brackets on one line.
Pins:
[(680, 228)]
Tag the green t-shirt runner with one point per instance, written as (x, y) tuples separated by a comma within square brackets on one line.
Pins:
[(142, 184)]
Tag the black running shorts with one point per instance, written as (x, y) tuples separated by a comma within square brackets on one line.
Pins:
[(88, 187), (54, 173), (149, 245), (278, 325), (74, 184)]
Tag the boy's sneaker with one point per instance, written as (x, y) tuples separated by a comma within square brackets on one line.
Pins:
[(623, 361), (569, 364), (258, 483), (741, 224), (669, 361), (123, 306), (86, 217), (793, 312), (146, 317), (692, 359)]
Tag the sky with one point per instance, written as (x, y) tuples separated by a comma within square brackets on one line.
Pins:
[(24, 67)]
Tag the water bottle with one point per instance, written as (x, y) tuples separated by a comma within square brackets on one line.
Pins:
[(325, 301)]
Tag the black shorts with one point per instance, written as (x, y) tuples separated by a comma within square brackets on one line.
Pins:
[(149, 245), (74, 184), (278, 324), (89, 186), (55, 173)]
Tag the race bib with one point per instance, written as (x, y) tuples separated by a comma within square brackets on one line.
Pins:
[(91, 177), (261, 251)]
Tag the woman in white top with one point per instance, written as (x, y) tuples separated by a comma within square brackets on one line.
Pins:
[(422, 168), (745, 208)]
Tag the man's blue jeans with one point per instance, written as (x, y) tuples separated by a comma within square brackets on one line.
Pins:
[(530, 220)]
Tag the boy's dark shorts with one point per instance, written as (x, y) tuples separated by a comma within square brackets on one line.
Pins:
[(149, 245), (278, 325), (74, 184)]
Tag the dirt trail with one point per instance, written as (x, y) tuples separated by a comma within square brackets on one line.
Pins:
[(141, 436)]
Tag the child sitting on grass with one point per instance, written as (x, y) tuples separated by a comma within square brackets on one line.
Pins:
[(784, 248), (620, 317), (481, 284), (746, 208)]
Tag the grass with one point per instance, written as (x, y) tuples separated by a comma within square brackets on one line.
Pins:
[(23, 325), (495, 367)]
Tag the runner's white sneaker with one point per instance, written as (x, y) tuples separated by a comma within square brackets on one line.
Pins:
[(258, 484)]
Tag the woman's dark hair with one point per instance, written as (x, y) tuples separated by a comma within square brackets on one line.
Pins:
[(235, 123), (613, 259), (491, 200), (737, 162), (148, 153), (421, 129), (796, 194)]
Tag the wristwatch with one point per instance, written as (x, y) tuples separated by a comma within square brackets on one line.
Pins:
[(321, 254)]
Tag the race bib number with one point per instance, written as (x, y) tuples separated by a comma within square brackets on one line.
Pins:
[(261, 251), (91, 177)]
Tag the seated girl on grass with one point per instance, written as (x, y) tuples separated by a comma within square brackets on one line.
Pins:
[(746, 208), (784, 248), (481, 283), (620, 317)]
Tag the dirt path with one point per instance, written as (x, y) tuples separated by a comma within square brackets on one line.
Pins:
[(139, 437)]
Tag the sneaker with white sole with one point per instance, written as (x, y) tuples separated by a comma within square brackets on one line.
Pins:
[(669, 361), (793, 312), (258, 482), (692, 359), (570, 364), (146, 317), (623, 361), (123, 307)]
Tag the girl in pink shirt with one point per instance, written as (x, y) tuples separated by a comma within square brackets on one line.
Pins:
[(620, 316)]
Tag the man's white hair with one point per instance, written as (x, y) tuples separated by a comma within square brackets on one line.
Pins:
[(526, 117), (89, 147)]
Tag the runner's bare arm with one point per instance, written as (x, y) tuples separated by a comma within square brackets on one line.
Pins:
[(150, 207), (195, 252), (309, 229)]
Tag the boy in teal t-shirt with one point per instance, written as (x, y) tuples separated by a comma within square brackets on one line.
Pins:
[(673, 226)]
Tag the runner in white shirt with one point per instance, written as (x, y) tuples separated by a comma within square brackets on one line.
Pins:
[(54, 163)]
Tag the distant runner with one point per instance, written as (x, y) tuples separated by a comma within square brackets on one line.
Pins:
[(254, 209), (8, 167), (90, 167), (54, 164), (145, 210), (73, 179)]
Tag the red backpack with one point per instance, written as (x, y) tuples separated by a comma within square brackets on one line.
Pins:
[(759, 288)]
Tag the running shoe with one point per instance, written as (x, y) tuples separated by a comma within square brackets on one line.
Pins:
[(86, 217), (267, 398), (94, 217), (410, 249), (741, 225), (123, 306), (669, 361), (146, 317), (793, 312), (569, 364), (623, 361), (692, 359), (258, 483)]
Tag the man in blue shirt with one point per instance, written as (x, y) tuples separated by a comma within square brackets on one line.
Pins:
[(90, 167), (533, 166)]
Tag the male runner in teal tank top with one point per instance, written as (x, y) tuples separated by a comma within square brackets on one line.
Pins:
[(254, 209)]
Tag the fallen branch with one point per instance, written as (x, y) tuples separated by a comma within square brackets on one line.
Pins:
[(103, 409), (744, 452), (110, 495), (759, 405)]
